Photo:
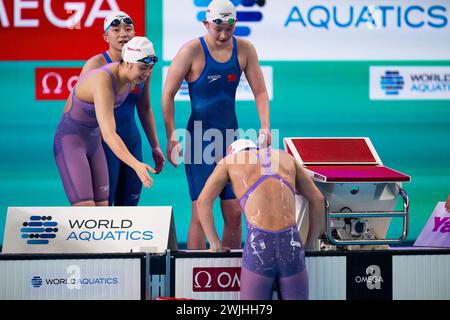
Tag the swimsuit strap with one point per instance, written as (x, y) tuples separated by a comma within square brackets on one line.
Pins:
[(107, 57), (268, 173)]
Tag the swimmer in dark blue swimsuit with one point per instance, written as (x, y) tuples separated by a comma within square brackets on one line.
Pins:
[(212, 66)]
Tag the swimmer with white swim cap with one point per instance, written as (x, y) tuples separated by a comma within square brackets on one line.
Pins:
[(221, 56), (124, 185), (265, 181), (77, 145)]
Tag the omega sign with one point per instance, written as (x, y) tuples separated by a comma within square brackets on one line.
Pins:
[(215, 279), (373, 278), (55, 83)]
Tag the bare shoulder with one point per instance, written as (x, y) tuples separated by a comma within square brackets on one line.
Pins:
[(285, 157), (229, 159), (284, 153), (244, 44), (99, 78), (94, 62), (190, 49)]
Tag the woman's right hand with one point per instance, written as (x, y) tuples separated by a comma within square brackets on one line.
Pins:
[(311, 247), (217, 247), (141, 170), (174, 149)]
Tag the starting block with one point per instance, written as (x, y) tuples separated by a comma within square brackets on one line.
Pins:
[(361, 192)]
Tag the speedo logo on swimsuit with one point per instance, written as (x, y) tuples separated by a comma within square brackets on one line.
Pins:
[(104, 188), (135, 196), (214, 78)]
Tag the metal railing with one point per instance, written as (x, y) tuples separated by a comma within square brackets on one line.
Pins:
[(369, 214)]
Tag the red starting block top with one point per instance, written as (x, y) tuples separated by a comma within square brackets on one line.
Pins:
[(341, 160), (357, 173)]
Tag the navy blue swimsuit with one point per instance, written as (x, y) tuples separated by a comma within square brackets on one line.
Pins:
[(213, 107), (125, 185)]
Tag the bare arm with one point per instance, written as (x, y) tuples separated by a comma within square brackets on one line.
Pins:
[(214, 185), (255, 79), (178, 70), (104, 102), (93, 63), (447, 204), (145, 113), (306, 187)]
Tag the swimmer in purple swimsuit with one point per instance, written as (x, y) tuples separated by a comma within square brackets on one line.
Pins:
[(265, 182), (124, 185), (89, 117)]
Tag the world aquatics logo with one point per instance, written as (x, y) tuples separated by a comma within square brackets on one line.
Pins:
[(39, 230), (392, 82)]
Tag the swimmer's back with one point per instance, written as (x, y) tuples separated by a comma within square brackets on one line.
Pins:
[(272, 204)]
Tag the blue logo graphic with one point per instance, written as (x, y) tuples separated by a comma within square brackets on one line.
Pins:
[(39, 230), (36, 282), (242, 16), (392, 82)]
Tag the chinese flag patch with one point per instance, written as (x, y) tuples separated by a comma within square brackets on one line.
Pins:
[(136, 90)]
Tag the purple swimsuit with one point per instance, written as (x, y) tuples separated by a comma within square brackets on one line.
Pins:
[(78, 150), (272, 256)]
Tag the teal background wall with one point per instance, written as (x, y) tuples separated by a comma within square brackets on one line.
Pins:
[(329, 98)]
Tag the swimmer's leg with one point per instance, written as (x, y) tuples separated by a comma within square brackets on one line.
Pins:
[(196, 177), (113, 172), (99, 172), (129, 187), (294, 287), (74, 169), (255, 286), (84, 204)]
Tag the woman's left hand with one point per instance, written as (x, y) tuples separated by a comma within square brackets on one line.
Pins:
[(158, 157)]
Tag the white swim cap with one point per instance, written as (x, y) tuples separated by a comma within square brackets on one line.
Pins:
[(241, 144), (139, 49), (116, 15), (221, 11)]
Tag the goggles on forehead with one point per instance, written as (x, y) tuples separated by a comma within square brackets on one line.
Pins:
[(149, 60), (219, 21), (116, 22)]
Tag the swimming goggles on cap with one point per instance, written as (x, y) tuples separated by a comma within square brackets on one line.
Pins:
[(219, 21), (149, 60), (116, 22)]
